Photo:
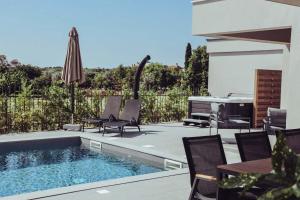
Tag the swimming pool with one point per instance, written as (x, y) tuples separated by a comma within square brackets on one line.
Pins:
[(40, 165)]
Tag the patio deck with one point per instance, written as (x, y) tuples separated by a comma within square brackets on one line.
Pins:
[(162, 139)]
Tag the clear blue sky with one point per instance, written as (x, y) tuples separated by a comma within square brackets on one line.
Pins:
[(111, 32)]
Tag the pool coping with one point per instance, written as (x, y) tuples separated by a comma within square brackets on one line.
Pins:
[(99, 184), (95, 185)]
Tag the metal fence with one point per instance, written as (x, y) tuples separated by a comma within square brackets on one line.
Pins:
[(21, 113)]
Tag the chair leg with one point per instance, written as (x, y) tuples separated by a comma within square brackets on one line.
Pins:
[(83, 126), (122, 131), (209, 130), (217, 130), (103, 131), (194, 189), (139, 128)]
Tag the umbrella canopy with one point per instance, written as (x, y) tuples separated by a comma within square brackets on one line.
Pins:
[(73, 71)]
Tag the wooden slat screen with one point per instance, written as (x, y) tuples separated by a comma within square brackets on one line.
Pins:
[(267, 93)]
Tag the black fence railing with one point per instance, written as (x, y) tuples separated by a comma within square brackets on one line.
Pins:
[(22, 113)]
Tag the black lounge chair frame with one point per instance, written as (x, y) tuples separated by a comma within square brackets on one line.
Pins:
[(128, 117), (111, 112)]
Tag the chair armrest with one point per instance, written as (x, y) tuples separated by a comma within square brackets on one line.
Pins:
[(266, 125), (266, 120), (206, 177), (112, 118)]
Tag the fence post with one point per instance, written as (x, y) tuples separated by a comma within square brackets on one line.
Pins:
[(7, 125)]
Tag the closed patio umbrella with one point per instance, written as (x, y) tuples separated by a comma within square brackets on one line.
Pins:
[(73, 72)]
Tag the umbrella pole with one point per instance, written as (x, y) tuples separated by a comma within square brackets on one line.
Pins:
[(72, 91)]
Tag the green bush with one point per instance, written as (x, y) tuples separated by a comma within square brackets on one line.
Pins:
[(22, 119), (5, 117), (51, 110), (56, 106), (150, 111), (175, 107), (82, 108)]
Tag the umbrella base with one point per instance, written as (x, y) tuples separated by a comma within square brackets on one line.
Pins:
[(72, 127)]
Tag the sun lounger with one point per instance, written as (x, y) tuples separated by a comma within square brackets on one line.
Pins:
[(111, 111), (128, 117)]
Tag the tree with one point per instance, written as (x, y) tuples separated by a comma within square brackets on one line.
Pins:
[(40, 83), (188, 54), (3, 63), (197, 73), (30, 72), (152, 76), (99, 80), (119, 75), (129, 79), (89, 77)]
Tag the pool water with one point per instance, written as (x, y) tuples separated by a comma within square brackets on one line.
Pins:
[(34, 170)]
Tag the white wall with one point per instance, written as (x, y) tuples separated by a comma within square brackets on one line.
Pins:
[(292, 74), (285, 79), (231, 70), (228, 16)]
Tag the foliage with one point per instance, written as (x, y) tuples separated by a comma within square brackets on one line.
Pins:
[(56, 108), (175, 105), (188, 54), (156, 76), (152, 77), (34, 98), (10, 81), (172, 106), (23, 114), (29, 72), (128, 81), (284, 179), (197, 72), (89, 77), (41, 83), (150, 112), (3, 112), (3, 63), (52, 109), (82, 108)]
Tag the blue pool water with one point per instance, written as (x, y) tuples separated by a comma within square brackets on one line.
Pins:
[(29, 171)]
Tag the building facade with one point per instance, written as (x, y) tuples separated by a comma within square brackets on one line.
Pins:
[(257, 24)]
